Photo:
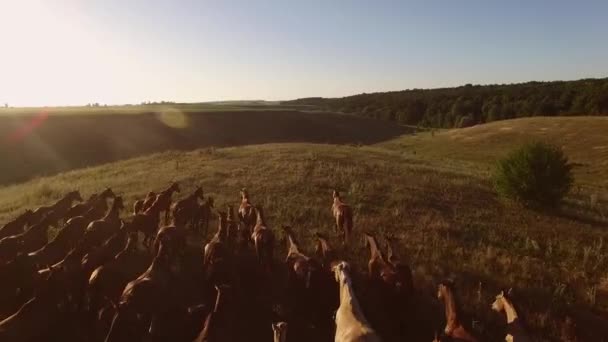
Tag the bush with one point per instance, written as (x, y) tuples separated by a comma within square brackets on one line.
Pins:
[(535, 174)]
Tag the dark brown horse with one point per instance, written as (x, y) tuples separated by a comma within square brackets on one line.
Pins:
[(100, 230), (64, 241), (219, 324), (204, 215), (148, 221), (164, 200), (107, 281), (185, 210), (59, 208), (142, 299), (17, 225), (216, 253), (96, 201), (30, 240)]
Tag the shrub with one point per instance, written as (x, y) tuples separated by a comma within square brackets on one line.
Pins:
[(536, 174)]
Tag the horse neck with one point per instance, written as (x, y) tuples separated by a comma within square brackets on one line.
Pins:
[(169, 192), (451, 313), (509, 310), (347, 297), (337, 201), (113, 213), (259, 220)]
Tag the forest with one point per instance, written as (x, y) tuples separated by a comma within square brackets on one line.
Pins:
[(473, 104)]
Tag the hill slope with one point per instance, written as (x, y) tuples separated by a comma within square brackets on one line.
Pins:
[(448, 224), (34, 145), (476, 149)]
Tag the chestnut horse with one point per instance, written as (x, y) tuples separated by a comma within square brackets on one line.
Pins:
[(263, 240), (453, 328), (247, 212), (515, 329), (343, 214)]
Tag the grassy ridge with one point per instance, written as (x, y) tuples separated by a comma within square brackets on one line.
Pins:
[(448, 223), (60, 143)]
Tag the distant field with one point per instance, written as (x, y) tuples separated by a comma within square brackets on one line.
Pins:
[(36, 144), (156, 107)]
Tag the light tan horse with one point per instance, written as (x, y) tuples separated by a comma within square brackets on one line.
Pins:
[(453, 327), (515, 330), (343, 214), (279, 331), (351, 324)]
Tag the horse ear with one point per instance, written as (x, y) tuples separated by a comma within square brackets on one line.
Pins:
[(510, 291)]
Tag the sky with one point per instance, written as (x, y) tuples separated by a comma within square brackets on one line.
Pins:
[(73, 52)]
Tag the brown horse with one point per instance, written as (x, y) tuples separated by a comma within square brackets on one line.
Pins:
[(100, 230), (204, 215), (64, 241), (109, 280), (148, 221), (216, 253), (343, 214), (140, 206), (453, 328), (59, 208), (186, 210), (515, 329), (324, 251), (299, 265), (164, 200), (142, 299), (395, 275), (31, 240), (97, 201), (247, 212), (17, 225), (263, 241), (219, 324)]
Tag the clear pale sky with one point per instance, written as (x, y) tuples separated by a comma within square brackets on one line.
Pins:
[(61, 52)]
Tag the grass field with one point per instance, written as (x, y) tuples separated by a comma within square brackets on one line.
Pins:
[(429, 190)]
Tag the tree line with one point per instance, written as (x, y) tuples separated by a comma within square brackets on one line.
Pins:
[(473, 104)]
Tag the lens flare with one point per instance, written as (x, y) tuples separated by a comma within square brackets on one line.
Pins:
[(27, 128), (173, 118)]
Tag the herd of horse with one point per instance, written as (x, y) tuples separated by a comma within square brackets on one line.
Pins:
[(105, 278)]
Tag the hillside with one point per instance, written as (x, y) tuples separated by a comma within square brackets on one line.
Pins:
[(473, 104), (476, 149), (43, 144), (448, 221)]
